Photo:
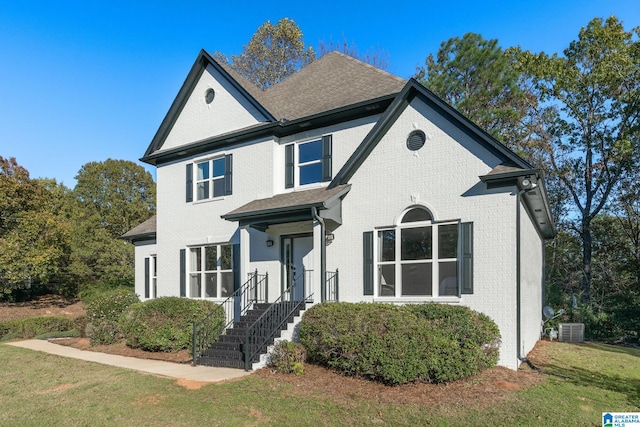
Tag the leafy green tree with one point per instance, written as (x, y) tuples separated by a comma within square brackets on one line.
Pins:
[(111, 197), (33, 243), (121, 193), (478, 78), (273, 53), (590, 99)]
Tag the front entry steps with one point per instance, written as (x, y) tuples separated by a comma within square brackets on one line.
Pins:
[(228, 352)]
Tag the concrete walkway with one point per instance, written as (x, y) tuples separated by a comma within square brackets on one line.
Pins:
[(156, 367)]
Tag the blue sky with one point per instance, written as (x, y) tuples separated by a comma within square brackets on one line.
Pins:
[(88, 80)]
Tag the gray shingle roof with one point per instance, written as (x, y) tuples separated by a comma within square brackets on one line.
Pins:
[(335, 80), (146, 229), (295, 200)]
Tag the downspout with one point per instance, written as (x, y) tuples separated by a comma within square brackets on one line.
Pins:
[(323, 256), (528, 187)]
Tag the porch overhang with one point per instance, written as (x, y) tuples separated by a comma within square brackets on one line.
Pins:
[(289, 207)]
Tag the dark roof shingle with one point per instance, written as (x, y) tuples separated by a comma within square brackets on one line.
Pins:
[(335, 80)]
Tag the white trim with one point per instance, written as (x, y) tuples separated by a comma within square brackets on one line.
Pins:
[(434, 261)]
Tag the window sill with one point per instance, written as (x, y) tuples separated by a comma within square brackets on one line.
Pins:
[(197, 202), (417, 300)]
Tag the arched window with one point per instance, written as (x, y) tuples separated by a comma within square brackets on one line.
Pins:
[(419, 257), (416, 215)]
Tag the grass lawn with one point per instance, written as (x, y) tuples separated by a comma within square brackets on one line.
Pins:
[(580, 382)]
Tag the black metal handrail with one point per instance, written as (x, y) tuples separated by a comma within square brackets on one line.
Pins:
[(332, 288), (273, 319), (254, 290)]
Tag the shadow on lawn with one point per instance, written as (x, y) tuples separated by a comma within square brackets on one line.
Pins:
[(631, 351), (630, 387)]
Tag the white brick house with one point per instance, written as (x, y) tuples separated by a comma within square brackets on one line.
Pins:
[(343, 182)]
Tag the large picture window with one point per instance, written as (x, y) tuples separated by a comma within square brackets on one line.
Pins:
[(419, 257), (210, 271)]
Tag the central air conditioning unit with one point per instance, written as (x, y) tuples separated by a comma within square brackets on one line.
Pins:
[(571, 332)]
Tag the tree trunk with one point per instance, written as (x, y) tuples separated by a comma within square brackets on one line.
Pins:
[(587, 251)]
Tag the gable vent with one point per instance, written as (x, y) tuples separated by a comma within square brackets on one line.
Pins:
[(416, 140), (571, 332)]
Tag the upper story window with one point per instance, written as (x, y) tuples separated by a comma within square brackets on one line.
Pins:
[(308, 162), (210, 178)]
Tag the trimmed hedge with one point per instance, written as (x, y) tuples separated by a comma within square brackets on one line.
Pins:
[(103, 313), (34, 326), (397, 344), (166, 323)]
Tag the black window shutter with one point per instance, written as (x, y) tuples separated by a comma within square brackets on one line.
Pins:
[(146, 277), (228, 172), (235, 264), (326, 158), (289, 166), (189, 182), (466, 265), (183, 272), (367, 259)]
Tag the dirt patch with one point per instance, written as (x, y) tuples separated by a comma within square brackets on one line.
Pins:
[(152, 399), (47, 305), (190, 384)]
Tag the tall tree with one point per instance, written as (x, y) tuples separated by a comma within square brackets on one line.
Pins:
[(121, 193), (33, 243), (478, 78), (111, 198), (379, 58), (273, 53), (591, 98)]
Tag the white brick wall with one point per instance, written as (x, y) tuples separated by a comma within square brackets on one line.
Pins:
[(142, 250), (199, 120), (442, 176)]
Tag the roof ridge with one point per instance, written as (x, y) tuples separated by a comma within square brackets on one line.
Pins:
[(366, 64)]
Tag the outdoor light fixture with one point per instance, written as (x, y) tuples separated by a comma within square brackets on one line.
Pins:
[(269, 243), (328, 238)]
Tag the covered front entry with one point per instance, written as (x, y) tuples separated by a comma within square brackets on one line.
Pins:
[(297, 264)]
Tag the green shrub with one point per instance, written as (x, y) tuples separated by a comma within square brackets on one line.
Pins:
[(104, 332), (288, 357), (34, 326), (80, 324), (110, 305), (166, 323), (103, 313), (398, 344)]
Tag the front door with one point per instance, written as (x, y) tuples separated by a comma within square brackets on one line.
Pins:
[(297, 264)]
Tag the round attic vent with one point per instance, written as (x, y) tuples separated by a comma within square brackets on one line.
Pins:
[(209, 95), (416, 140)]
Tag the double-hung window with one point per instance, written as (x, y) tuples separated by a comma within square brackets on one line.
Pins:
[(308, 162), (211, 271), (211, 178), (419, 257)]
